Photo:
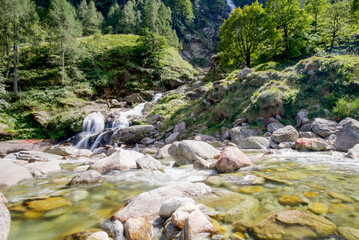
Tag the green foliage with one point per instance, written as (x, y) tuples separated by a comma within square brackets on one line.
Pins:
[(182, 13), (245, 34), (92, 20), (131, 18), (347, 108)]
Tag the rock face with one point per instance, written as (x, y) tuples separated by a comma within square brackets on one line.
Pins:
[(354, 152), (231, 160), (86, 178), (121, 160), (39, 169), (238, 134), (23, 145), (189, 151), (292, 225), (5, 219), (133, 135), (286, 134), (315, 144), (12, 174), (323, 127), (347, 134), (139, 229), (148, 204), (254, 143)]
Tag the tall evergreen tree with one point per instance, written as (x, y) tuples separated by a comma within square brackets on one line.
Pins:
[(64, 26), (82, 10), (315, 8), (291, 21), (113, 18), (182, 13), (130, 18), (92, 20)]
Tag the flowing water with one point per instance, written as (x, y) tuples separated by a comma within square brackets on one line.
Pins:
[(94, 124), (313, 177), (231, 5)]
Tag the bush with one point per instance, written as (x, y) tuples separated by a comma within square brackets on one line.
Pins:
[(347, 108)]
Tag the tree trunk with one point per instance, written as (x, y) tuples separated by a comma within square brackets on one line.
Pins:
[(248, 60), (7, 55), (62, 60), (93, 56), (16, 60), (332, 41)]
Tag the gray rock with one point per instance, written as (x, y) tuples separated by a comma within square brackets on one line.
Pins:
[(224, 136), (354, 152), (39, 169), (323, 127), (272, 127), (154, 119), (171, 205), (238, 134), (86, 178), (148, 204), (202, 164), (121, 160), (34, 156), (307, 135), (189, 151), (163, 152), (174, 137), (306, 127), (254, 143), (301, 117), (286, 134), (5, 220), (133, 135), (149, 163), (134, 98), (180, 127), (12, 174), (14, 146), (148, 141), (204, 138), (284, 145), (347, 134), (62, 151), (244, 73), (159, 144), (239, 121)]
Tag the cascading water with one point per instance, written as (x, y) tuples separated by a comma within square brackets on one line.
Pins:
[(93, 124), (231, 5), (122, 121)]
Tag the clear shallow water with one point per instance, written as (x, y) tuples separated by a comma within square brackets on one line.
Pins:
[(321, 173)]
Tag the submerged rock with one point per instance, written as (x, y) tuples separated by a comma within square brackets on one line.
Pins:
[(12, 174), (148, 204), (231, 160), (347, 134), (289, 200), (121, 160), (47, 204), (323, 127), (292, 225), (349, 233), (86, 178), (139, 229), (189, 151), (286, 134), (254, 143)]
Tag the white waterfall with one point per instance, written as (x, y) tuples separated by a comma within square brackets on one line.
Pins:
[(231, 5), (92, 126)]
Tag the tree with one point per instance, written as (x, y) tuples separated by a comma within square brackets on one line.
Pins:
[(291, 22), (113, 18), (94, 43), (336, 21), (92, 20), (245, 34), (130, 18), (64, 26), (18, 20), (82, 10), (315, 9), (182, 13)]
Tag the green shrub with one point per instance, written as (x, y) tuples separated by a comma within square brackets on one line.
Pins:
[(347, 108)]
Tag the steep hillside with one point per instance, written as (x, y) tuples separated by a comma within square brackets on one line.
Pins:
[(47, 109)]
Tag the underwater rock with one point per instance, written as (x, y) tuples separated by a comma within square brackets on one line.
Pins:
[(138, 229)]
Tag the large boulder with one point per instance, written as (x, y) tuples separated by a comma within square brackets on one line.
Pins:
[(121, 160), (24, 145), (133, 135), (272, 127), (149, 163), (238, 134), (39, 169), (35, 156), (315, 144), (86, 178), (286, 134), (292, 225), (162, 153), (62, 150), (12, 174), (354, 152), (231, 160), (254, 143), (323, 127), (5, 218), (189, 151), (148, 204), (301, 117), (197, 226), (347, 134)]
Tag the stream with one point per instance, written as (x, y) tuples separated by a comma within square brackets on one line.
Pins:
[(311, 176)]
